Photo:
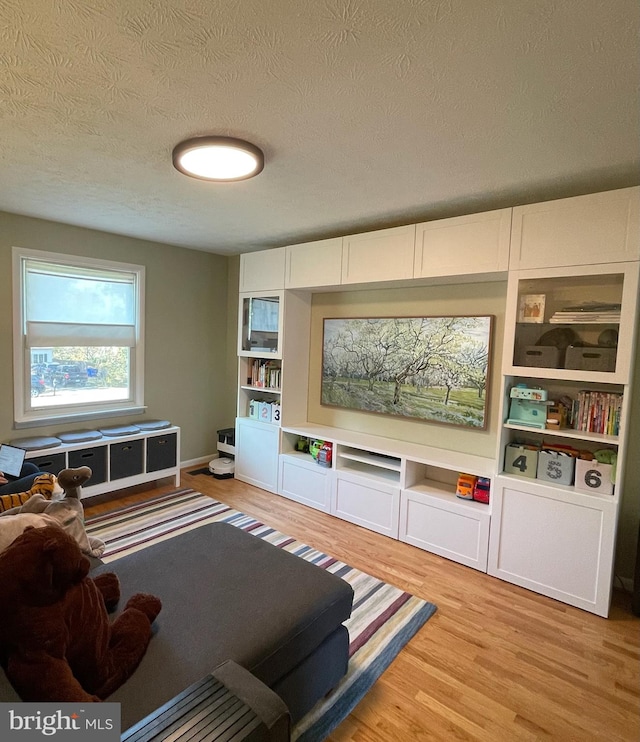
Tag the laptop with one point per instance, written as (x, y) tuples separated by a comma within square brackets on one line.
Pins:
[(11, 459)]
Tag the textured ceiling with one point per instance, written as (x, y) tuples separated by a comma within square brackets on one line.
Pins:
[(370, 112)]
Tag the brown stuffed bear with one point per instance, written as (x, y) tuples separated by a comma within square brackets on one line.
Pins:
[(57, 643)]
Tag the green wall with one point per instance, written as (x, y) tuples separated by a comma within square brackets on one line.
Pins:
[(187, 344)]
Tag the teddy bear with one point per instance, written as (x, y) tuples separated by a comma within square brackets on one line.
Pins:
[(45, 484), (67, 512), (57, 642)]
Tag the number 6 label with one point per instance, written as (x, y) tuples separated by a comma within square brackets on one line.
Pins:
[(593, 479)]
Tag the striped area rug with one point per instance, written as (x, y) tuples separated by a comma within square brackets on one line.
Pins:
[(384, 617)]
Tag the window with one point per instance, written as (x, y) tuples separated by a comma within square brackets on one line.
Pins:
[(78, 337)]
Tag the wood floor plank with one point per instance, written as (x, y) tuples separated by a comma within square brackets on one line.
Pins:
[(496, 662)]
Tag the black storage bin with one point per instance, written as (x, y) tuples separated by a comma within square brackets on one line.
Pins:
[(95, 458), (227, 436), (126, 459), (161, 451), (53, 463)]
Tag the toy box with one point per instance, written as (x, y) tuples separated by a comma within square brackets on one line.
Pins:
[(521, 460), (528, 412), (591, 476), (555, 467)]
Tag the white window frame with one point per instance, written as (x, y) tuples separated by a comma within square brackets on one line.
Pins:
[(25, 417)]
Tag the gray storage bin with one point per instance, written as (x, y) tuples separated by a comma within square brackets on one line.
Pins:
[(539, 356), (591, 359), (556, 467), (53, 463), (95, 458), (126, 459), (161, 451)]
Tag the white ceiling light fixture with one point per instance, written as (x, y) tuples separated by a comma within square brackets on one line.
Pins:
[(219, 159)]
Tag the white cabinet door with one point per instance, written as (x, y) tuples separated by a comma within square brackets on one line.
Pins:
[(385, 255), (366, 502), (305, 482), (553, 542), (313, 264), (477, 243), (584, 230), (262, 270), (257, 454), (454, 529)]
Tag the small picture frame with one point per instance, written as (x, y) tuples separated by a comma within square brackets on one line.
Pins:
[(531, 308)]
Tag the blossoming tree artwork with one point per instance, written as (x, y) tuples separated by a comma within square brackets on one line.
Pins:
[(431, 368)]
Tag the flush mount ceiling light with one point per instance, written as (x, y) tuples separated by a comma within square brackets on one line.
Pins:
[(218, 158)]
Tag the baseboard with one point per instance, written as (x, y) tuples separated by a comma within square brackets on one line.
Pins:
[(200, 460)]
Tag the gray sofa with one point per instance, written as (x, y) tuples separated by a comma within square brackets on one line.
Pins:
[(228, 595)]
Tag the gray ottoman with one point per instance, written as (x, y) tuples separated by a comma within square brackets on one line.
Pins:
[(228, 595)]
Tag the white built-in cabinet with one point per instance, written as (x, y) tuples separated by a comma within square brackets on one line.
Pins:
[(262, 270), (554, 539), (384, 255), (313, 264), (477, 243), (584, 230)]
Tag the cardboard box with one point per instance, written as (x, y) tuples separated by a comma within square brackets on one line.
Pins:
[(555, 467), (593, 477), (520, 460)]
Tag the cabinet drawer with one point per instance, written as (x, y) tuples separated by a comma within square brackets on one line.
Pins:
[(304, 482), (456, 530), (161, 452), (95, 458), (368, 504), (126, 459)]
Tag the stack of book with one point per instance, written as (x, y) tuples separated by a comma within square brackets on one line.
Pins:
[(265, 374), (590, 313), (597, 412)]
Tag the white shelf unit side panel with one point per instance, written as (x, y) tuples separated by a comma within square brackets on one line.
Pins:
[(471, 244), (455, 530), (554, 543), (383, 255), (295, 342), (314, 264), (582, 230), (262, 270)]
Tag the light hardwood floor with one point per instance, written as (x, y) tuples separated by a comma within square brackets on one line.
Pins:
[(495, 663)]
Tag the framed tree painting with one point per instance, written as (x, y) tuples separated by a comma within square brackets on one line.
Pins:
[(434, 369)]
